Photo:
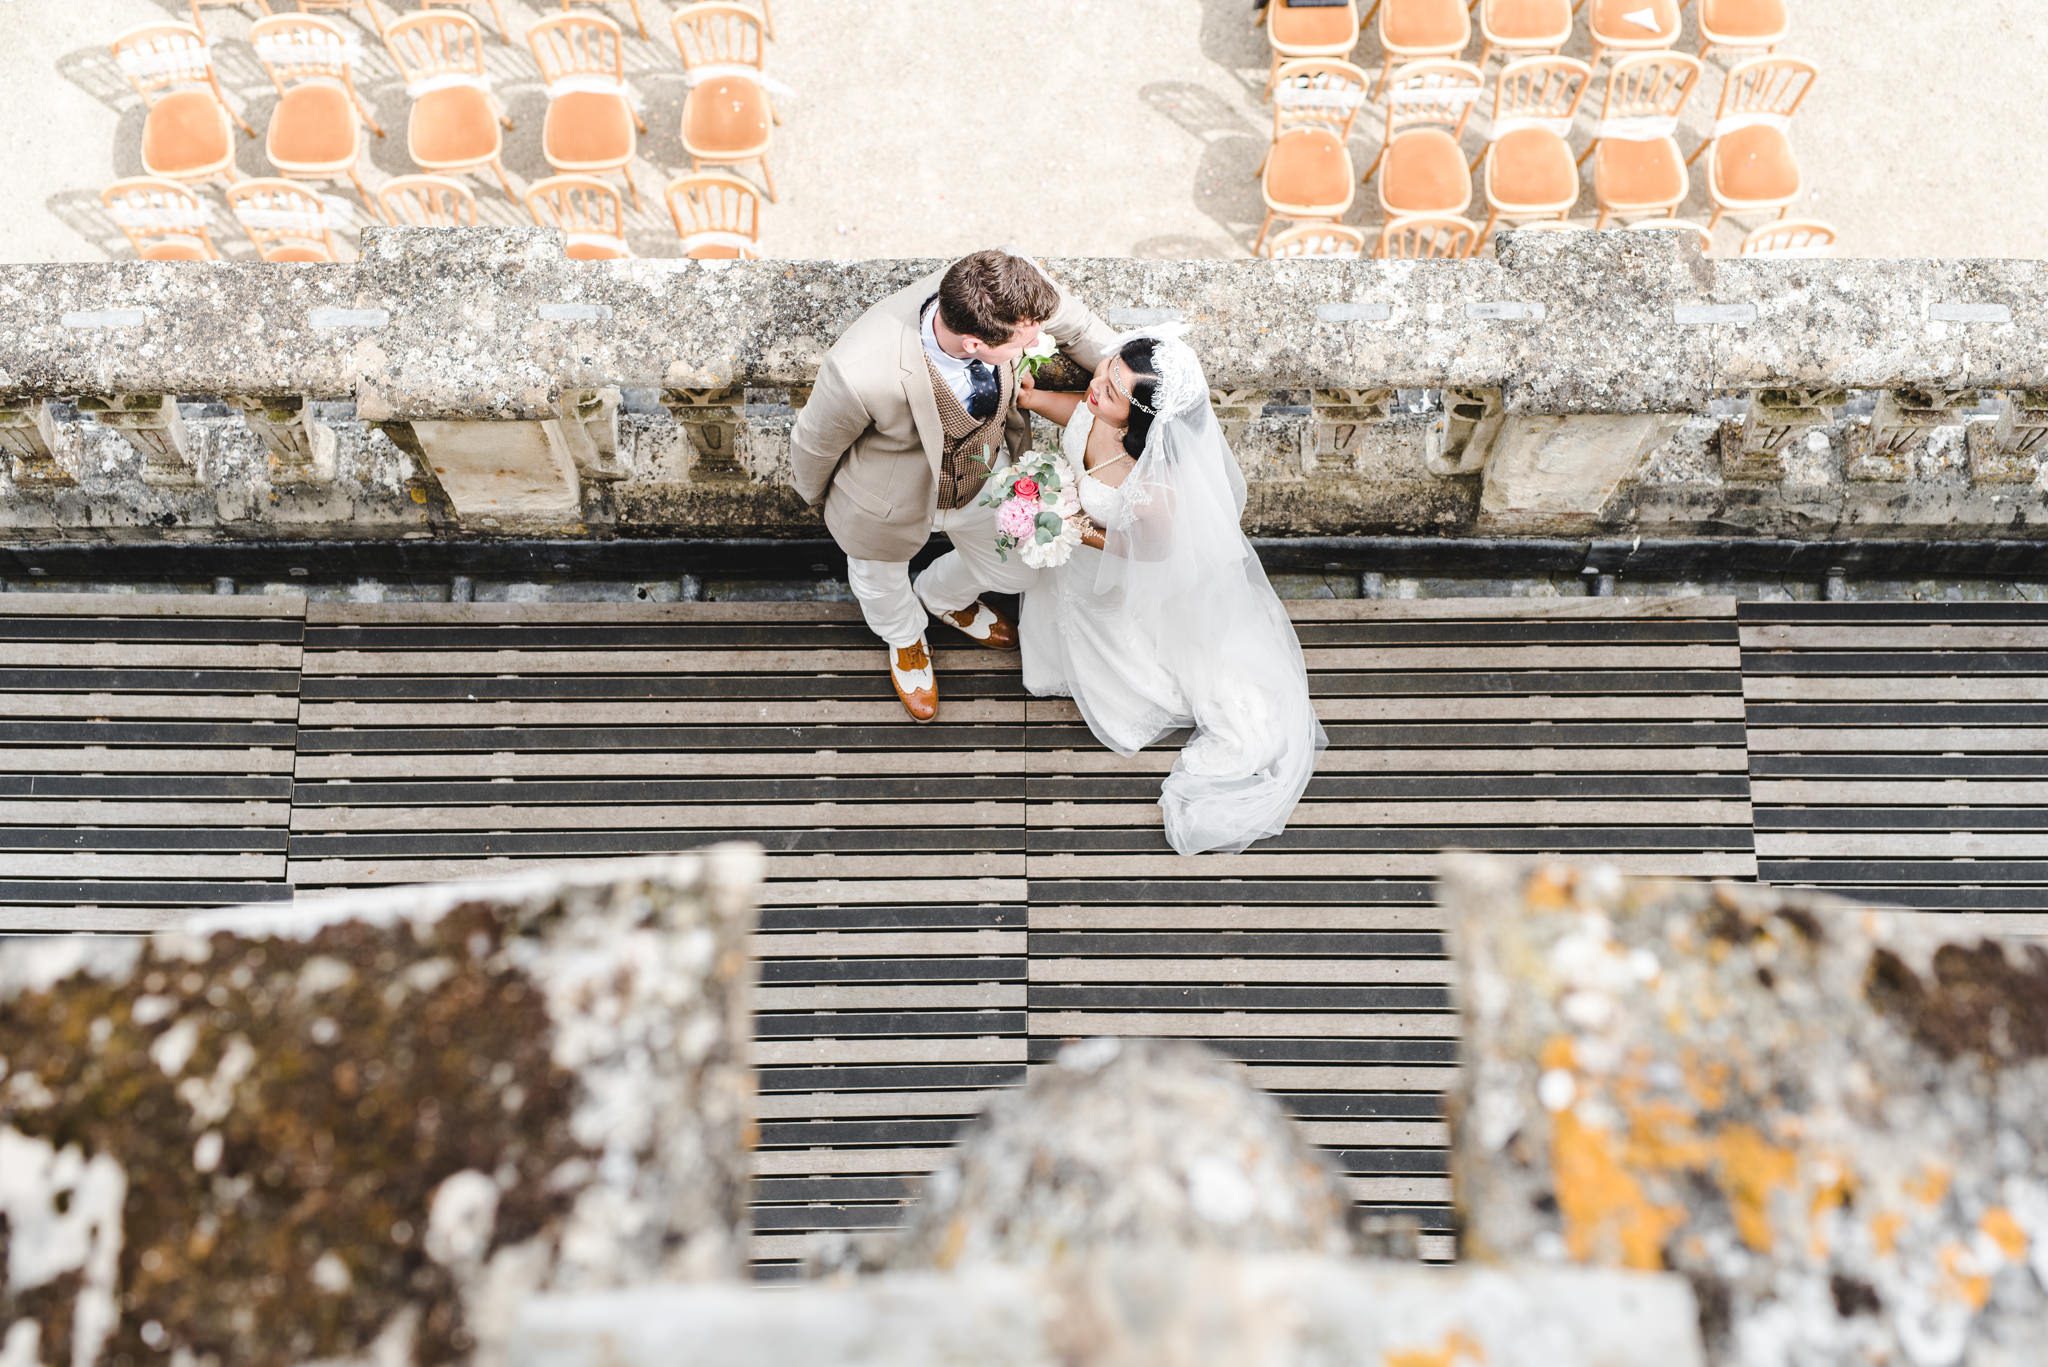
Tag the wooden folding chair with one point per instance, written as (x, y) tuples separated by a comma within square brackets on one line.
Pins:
[(427, 202), (285, 221), (639, 19), (1418, 237), (199, 22), (717, 217), (455, 118), (313, 132), (162, 220), (188, 134), (1751, 166), (727, 115), (1523, 28), (1678, 225), (1631, 26), (1637, 168), (370, 6), (1295, 32), (1415, 30), (587, 211), (1530, 171), (1421, 168), (1336, 241), (1307, 171), (497, 13), (591, 119), (1792, 237), (1742, 25)]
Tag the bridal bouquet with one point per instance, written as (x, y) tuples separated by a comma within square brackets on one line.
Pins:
[(1038, 512)]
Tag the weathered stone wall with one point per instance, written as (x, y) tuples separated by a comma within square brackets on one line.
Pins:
[(1834, 1122), (367, 1129), (465, 383)]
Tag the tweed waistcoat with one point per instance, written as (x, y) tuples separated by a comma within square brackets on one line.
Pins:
[(961, 472)]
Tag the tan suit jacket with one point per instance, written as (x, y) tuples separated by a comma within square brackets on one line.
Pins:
[(868, 443)]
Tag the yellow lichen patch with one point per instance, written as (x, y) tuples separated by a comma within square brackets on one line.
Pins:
[(1962, 1278), (1558, 1053), (1705, 1079), (1604, 1209), (1929, 1185), (2004, 1231), (1751, 1168), (1662, 1138), (1884, 1232), (1547, 890), (1456, 1350), (1828, 1197)]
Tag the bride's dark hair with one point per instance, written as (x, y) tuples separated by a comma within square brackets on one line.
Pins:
[(1137, 358)]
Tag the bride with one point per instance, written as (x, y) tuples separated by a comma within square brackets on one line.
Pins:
[(1163, 617)]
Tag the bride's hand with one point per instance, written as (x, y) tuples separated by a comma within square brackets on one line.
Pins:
[(1027, 390), (1091, 535)]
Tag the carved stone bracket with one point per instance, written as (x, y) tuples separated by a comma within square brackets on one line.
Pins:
[(2014, 449), (301, 448), (1341, 417), (714, 421), (1900, 427), (589, 431), (1754, 447), (28, 438), (151, 424), (1461, 438)]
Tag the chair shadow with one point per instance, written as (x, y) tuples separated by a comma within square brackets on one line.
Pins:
[(82, 212)]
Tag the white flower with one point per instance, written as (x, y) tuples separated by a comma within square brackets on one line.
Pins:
[(1044, 555), (1045, 348)]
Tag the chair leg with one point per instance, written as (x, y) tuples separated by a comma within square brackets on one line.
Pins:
[(1369, 14), (1697, 150), (1373, 169), (1486, 233), (1379, 84), (1784, 213), (767, 19), (641, 19), (1485, 51), (1481, 157), (774, 113), (197, 22), (504, 29), (630, 186), (769, 177), (1605, 214), (1259, 247), (1587, 153), (638, 122), (504, 180), (356, 178), (377, 19)]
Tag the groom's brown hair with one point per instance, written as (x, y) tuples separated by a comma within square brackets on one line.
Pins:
[(991, 294)]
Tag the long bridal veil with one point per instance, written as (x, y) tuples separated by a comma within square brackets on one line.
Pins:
[(1189, 594)]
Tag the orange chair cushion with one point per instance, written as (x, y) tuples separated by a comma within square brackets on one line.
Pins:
[(587, 128), (714, 251), (1309, 168), (298, 251), (1610, 21), (1425, 173), (1308, 26), (313, 125), (1533, 167), (1630, 174), (1743, 18), (186, 132), (1755, 165), (728, 114), (594, 251), (1529, 20), (455, 126), (1425, 25), (175, 249)]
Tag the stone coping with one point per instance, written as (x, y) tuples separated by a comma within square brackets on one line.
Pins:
[(496, 323)]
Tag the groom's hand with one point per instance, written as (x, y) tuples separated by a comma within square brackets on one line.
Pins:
[(1026, 382)]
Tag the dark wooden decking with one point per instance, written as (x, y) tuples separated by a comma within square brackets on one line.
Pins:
[(948, 903)]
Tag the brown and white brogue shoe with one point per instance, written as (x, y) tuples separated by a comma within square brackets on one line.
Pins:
[(910, 669), (983, 625)]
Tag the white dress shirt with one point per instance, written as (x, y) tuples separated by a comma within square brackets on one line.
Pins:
[(951, 369)]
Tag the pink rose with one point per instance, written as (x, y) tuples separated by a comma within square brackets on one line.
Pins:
[(1017, 519), (1025, 488)]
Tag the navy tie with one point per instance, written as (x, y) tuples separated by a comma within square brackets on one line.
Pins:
[(982, 399)]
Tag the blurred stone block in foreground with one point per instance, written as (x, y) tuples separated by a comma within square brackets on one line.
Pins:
[(366, 1129), (1834, 1122), (1138, 1306)]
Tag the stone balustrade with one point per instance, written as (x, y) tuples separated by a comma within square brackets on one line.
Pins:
[(465, 383)]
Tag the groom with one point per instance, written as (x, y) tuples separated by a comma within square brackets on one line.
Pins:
[(911, 407)]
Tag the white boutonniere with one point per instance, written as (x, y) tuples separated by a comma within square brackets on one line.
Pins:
[(1038, 354)]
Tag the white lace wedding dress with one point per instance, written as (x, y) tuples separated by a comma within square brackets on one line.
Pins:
[(1176, 625)]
